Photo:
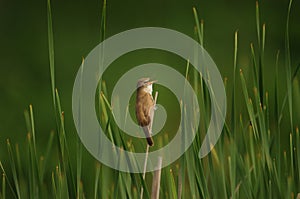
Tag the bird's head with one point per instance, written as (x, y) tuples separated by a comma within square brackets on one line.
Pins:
[(145, 84)]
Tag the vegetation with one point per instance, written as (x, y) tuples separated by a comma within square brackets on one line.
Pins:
[(249, 160)]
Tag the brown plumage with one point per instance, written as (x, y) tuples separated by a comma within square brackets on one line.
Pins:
[(143, 107)]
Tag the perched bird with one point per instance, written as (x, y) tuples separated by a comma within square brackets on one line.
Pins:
[(144, 106)]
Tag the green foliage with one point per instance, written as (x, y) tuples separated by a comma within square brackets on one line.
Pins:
[(247, 162)]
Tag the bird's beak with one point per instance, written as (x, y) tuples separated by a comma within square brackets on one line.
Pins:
[(152, 82)]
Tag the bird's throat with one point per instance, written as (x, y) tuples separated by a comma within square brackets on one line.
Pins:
[(148, 89)]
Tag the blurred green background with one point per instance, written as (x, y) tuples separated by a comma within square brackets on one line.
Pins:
[(24, 62)]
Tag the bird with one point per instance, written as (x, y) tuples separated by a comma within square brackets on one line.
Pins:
[(144, 106)]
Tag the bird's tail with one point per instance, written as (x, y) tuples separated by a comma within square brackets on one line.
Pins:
[(148, 135)]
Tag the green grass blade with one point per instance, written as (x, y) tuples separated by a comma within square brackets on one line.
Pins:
[(96, 184), (51, 50), (198, 27), (232, 177), (288, 66), (286, 95), (169, 175), (292, 155), (261, 66), (261, 45), (103, 22), (67, 168), (54, 191), (296, 71), (7, 181), (19, 163), (298, 153), (32, 127), (257, 23), (32, 172), (47, 155), (3, 186), (13, 169), (102, 38), (277, 115), (255, 70), (33, 152), (249, 105), (233, 104), (78, 141)]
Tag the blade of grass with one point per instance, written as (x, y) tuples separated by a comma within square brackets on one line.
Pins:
[(103, 22), (97, 175), (64, 149), (181, 176), (47, 154), (289, 190), (3, 193), (263, 130), (255, 71), (261, 46), (288, 66), (57, 109), (19, 164), (232, 173), (298, 152), (261, 65), (128, 185), (33, 152), (286, 95), (78, 141), (198, 27), (277, 115), (233, 104), (51, 51), (171, 182), (102, 38), (32, 170), (32, 127), (13, 168), (292, 155), (3, 186), (257, 23), (249, 106), (7, 180), (196, 178), (54, 191), (277, 180)]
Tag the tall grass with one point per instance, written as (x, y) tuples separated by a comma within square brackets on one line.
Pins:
[(248, 161)]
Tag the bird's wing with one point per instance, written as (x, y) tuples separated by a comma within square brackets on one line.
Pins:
[(143, 115), (143, 110)]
